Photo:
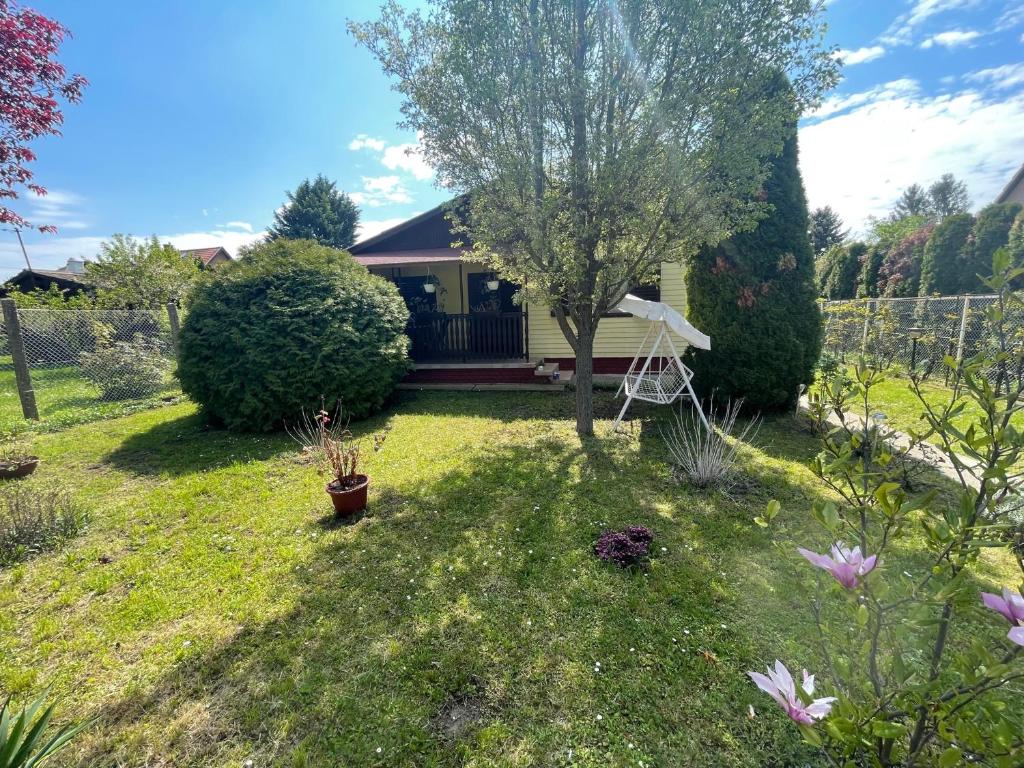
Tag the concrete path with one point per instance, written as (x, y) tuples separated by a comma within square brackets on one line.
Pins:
[(928, 454)]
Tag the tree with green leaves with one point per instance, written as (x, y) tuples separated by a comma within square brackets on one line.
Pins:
[(885, 235), (600, 140), (317, 210), (900, 273), (942, 263), (754, 295), (837, 270), (948, 197), (826, 229), (139, 274), (914, 201), (991, 232)]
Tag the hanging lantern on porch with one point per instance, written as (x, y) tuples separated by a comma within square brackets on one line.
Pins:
[(429, 287), (492, 285)]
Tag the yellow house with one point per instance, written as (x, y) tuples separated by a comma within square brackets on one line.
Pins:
[(464, 327)]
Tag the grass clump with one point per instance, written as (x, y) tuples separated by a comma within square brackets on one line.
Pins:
[(35, 520)]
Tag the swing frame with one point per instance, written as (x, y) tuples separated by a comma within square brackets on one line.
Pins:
[(632, 382)]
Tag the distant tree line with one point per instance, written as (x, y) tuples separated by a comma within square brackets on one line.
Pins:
[(929, 244)]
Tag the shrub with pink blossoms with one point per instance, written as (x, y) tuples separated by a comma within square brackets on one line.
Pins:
[(912, 685)]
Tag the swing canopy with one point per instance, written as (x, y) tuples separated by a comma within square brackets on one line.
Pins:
[(657, 373), (656, 310)]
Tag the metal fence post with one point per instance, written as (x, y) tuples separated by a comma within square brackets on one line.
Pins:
[(172, 317), (21, 372), (868, 311), (963, 330)]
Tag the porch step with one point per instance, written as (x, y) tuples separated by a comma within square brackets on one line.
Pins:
[(554, 376)]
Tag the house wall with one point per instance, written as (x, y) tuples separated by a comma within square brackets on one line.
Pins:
[(618, 338)]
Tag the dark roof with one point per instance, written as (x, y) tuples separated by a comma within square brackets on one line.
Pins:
[(400, 258), (431, 231), (1018, 177), (205, 255), (52, 274)]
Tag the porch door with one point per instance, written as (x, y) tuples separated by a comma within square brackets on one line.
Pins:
[(495, 321)]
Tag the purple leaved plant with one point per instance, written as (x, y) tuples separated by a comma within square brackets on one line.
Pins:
[(626, 548)]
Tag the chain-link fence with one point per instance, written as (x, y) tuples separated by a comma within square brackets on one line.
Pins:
[(72, 365), (918, 332)]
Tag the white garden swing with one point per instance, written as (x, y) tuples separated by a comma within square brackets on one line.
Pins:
[(660, 377)]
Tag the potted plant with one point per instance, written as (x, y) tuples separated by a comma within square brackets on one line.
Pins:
[(336, 453), (15, 461)]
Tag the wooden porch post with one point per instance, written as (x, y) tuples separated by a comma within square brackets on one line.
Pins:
[(462, 292)]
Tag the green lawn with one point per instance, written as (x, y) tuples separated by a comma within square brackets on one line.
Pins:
[(894, 397), (64, 397), (213, 613)]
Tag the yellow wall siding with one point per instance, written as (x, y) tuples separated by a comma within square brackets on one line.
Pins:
[(616, 336)]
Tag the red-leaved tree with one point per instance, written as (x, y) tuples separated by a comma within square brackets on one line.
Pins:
[(31, 81)]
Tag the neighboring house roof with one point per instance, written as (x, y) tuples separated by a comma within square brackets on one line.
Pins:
[(27, 280), (206, 255), (404, 258), (1014, 191)]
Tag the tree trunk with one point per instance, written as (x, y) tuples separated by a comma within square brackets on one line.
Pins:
[(584, 379)]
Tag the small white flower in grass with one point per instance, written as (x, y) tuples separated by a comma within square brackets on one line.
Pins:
[(632, 650), (529, 622), (686, 631), (664, 549), (529, 551), (379, 750), (600, 717), (722, 626)]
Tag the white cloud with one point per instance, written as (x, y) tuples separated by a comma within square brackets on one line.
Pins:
[(1000, 78), (381, 190), (230, 239), (860, 55), (890, 90), (243, 225), (858, 158), (58, 208), (362, 141), (1012, 16), (407, 157), (368, 229), (952, 38), (902, 30)]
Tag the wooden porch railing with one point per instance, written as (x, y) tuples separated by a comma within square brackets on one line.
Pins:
[(481, 336)]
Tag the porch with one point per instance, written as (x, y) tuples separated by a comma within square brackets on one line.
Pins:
[(459, 312)]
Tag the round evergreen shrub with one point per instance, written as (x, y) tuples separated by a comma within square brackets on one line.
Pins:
[(754, 295), (291, 322)]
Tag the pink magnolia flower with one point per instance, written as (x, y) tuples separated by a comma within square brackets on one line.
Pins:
[(778, 684), (1011, 606), (846, 565)]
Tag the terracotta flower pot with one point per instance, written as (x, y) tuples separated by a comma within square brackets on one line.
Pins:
[(26, 465), (350, 500)]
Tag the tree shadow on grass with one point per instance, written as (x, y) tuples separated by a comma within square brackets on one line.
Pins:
[(479, 587), (188, 444)]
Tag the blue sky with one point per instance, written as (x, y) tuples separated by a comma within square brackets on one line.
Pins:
[(200, 115)]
